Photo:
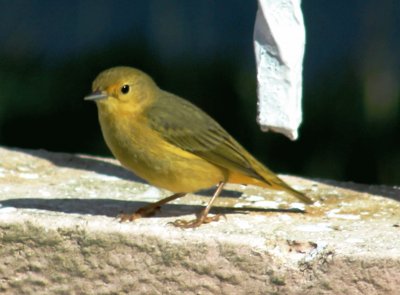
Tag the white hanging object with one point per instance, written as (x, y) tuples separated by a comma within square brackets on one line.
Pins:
[(279, 40)]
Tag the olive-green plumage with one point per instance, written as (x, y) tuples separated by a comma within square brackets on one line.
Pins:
[(192, 130), (169, 141)]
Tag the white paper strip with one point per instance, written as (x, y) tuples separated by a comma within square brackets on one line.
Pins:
[(279, 40)]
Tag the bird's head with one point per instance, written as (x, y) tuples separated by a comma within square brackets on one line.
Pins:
[(122, 89)]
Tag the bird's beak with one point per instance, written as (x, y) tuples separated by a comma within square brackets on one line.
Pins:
[(96, 95)]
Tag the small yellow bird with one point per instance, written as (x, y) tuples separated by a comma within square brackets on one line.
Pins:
[(171, 143)]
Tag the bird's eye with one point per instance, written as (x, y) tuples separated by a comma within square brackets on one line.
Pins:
[(125, 89)]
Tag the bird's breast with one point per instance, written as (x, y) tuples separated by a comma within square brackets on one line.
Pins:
[(145, 152)]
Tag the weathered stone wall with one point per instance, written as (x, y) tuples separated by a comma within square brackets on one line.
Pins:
[(59, 235)]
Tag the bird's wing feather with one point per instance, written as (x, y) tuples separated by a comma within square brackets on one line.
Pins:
[(192, 130)]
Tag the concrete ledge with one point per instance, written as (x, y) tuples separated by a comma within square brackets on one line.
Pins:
[(59, 234)]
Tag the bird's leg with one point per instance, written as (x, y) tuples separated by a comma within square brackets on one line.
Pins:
[(149, 209), (202, 215)]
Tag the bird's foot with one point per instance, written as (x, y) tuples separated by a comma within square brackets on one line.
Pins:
[(148, 210), (196, 222), (141, 212)]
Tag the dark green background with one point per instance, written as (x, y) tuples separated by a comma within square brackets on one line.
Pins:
[(50, 51)]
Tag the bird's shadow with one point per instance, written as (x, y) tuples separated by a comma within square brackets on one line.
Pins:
[(112, 207)]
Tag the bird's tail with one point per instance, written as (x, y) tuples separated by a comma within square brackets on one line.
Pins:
[(272, 181)]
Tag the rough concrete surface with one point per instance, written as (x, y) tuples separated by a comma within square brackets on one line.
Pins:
[(59, 235)]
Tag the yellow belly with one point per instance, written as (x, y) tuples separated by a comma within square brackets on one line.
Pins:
[(150, 157)]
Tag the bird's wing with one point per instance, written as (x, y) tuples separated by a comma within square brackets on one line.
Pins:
[(186, 126)]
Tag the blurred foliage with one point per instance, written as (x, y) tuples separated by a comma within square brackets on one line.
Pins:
[(202, 50), (42, 107)]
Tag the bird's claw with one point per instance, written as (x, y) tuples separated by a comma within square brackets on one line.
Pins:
[(141, 212), (196, 222)]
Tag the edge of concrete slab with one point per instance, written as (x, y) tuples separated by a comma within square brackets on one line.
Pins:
[(58, 233)]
